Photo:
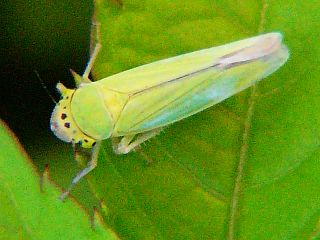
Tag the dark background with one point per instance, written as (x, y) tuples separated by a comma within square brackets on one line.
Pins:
[(47, 36)]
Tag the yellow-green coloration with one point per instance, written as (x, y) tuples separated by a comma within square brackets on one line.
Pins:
[(92, 115), (63, 123), (145, 99)]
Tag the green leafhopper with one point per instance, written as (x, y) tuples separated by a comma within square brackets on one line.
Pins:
[(132, 106)]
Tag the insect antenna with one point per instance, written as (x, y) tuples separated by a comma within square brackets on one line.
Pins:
[(45, 87)]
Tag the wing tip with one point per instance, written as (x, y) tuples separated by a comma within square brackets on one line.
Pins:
[(261, 46), (280, 49)]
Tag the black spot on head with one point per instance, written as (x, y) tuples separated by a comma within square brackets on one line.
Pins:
[(67, 125), (63, 116), (94, 143), (67, 97), (64, 107), (86, 140)]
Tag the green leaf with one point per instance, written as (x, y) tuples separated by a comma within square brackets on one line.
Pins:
[(29, 213), (247, 168)]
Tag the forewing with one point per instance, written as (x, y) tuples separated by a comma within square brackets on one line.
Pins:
[(152, 74), (179, 87)]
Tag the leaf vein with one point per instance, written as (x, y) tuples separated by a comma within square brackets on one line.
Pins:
[(316, 233), (245, 145), (215, 193), (282, 174), (127, 189), (241, 163), (14, 201)]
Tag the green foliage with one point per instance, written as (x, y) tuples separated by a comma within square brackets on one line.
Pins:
[(245, 169), (29, 213)]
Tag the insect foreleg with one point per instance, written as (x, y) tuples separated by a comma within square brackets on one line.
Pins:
[(91, 165), (126, 144), (96, 50)]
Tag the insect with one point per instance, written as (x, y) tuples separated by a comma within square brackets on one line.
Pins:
[(132, 106)]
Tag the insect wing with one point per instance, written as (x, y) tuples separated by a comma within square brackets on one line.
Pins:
[(172, 89)]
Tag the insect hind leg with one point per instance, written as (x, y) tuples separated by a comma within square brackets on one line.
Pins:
[(126, 145)]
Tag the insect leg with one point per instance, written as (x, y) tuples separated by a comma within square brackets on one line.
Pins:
[(91, 165), (116, 142), (95, 52), (125, 145)]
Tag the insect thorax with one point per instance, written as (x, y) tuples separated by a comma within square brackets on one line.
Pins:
[(63, 124)]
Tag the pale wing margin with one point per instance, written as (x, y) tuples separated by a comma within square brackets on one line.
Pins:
[(191, 92)]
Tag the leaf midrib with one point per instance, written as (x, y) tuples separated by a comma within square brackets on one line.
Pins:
[(234, 205)]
